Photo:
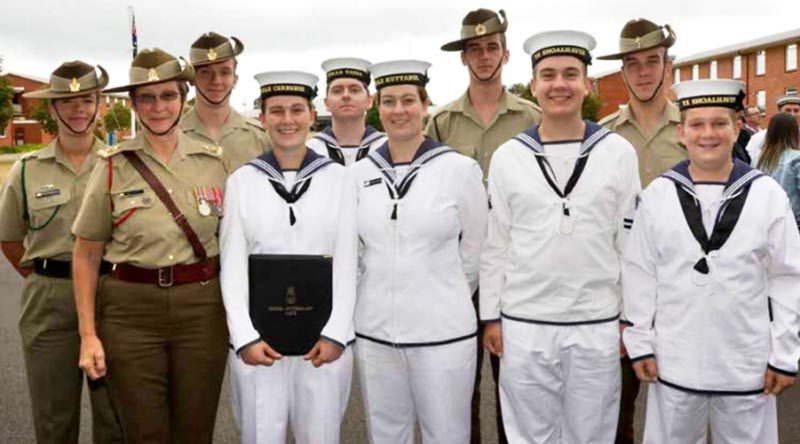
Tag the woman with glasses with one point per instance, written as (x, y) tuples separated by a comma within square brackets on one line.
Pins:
[(155, 325), (421, 216)]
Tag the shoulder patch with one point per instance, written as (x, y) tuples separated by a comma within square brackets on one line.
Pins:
[(105, 153)]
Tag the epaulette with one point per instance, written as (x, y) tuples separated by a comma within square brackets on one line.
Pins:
[(609, 118), (255, 123), (31, 155), (105, 153)]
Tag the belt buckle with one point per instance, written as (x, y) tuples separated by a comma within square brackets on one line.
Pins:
[(165, 277)]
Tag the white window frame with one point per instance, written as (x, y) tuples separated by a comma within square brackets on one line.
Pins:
[(676, 75), (790, 90), (761, 62), (761, 99), (791, 57), (695, 72), (737, 67), (712, 70)]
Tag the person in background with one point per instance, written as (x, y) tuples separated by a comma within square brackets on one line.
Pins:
[(780, 157)]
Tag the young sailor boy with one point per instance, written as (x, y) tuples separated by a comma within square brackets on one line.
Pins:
[(348, 139), (711, 275)]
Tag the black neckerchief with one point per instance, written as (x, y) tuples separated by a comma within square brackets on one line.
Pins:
[(382, 159), (736, 190), (312, 163), (335, 150), (593, 134)]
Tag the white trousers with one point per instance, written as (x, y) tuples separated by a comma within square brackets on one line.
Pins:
[(431, 384), (675, 416), (560, 384), (292, 392)]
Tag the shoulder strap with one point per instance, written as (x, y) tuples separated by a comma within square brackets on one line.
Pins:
[(151, 179)]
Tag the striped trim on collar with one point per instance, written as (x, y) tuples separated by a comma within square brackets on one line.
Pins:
[(593, 134), (370, 136), (312, 163), (741, 175)]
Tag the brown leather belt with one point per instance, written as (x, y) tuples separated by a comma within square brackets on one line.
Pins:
[(168, 276)]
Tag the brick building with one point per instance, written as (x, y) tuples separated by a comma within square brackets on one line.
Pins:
[(767, 66), (23, 129)]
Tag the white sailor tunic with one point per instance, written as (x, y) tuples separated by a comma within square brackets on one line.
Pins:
[(552, 255), (422, 235), (714, 310), (325, 144)]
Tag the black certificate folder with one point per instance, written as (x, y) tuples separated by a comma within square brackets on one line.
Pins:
[(290, 299)]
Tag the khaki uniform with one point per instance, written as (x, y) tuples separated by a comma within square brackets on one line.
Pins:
[(658, 153), (49, 322), (458, 125), (241, 139), (165, 346)]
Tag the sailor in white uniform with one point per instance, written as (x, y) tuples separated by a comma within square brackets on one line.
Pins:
[(789, 103), (422, 221), (561, 196), (290, 201), (711, 276), (348, 139)]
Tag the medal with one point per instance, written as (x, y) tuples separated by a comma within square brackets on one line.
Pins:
[(202, 202), (217, 201)]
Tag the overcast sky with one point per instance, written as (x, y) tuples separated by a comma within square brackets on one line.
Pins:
[(37, 35)]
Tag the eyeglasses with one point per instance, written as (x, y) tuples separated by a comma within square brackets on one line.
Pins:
[(150, 99)]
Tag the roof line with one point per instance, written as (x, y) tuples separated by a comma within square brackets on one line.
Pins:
[(743, 47)]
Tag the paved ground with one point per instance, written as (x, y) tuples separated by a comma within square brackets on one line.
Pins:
[(16, 426)]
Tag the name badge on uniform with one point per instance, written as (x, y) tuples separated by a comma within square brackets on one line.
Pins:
[(371, 182), (47, 191)]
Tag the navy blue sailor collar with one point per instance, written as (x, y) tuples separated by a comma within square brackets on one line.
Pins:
[(741, 175), (592, 134), (428, 150), (311, 163), (327, 136)]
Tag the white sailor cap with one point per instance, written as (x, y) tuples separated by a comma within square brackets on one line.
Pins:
[(347, 67), (558, 43), (788, 98), (723, 93), (400, 72), (287, 83)]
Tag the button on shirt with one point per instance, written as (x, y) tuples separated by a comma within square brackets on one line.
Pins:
[(458, 125), (657, 153)]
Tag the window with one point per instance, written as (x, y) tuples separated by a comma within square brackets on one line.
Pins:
[(761, 62), (713, 70), (3, 131), (737, 67), (695, 72), (761, 99), (791, 57), (677, 75), (791, 91)]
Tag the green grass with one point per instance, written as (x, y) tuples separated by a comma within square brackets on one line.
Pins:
[(21, 148)]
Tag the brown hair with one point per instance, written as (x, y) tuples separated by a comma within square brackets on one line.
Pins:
[(263, 105), (423, 95), (782, 135)]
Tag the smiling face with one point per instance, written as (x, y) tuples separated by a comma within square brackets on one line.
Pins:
[(216, 81), (644, 72), (560, 84), (483, 55), (287, 119), (401, 109), (77, 112), (348, 98), (709, 134), (158, 106)]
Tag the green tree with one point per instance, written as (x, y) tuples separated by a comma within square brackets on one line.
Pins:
[(41, 113), (6, 99), (118, 118), (591, 105), (373, 118)]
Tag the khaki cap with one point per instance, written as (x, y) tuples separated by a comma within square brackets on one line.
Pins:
[(72, 79), (153, 66), (476, 24), (214, 48), (641, 35)]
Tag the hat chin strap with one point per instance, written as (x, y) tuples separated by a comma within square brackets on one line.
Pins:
[(78, 133), (164, 133), (491, 76), (655, 93), (220, 102)]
